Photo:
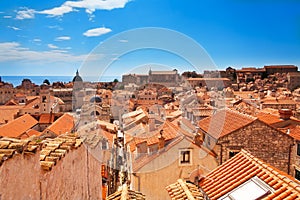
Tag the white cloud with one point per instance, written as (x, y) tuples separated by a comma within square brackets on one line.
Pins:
[(56, 27), (123, 41), (51, 46), (96, 32), (37, 40), (7, 16), (14, 52), (62, 38), (26, 13), (89, 5), (92, 5), (59, 51), (14, 28), (57, 11)]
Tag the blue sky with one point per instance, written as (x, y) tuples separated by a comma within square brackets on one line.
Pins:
[(55, 37)]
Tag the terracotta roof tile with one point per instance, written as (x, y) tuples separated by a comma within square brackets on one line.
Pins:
[(18, 126), (243, 167), (224, 122), (279, 101), (55, 149), (30, 133), (62, 125), (10, 146), (46, 118), (268, 118), (183, 190), (295, 133), (170, 131), (126, 194)]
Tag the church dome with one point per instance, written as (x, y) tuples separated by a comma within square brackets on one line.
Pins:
[(96, 99), (77, 78)]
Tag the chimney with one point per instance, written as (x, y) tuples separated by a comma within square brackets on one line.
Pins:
[(285, 114), (161, 140), (198, 139), (152, 125)]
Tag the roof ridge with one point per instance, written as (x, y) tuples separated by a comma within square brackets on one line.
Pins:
[(243, 114)]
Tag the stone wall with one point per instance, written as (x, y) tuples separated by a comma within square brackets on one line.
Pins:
[(263, 141), (76, 176)]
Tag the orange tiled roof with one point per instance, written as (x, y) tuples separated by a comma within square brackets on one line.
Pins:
[(224, 122), (55, 149), (51, 150), (208, 79), (242, 168), (295, 133), (109, 136), (46, 118), (270, 111), (18, 126), (126, 193), (62, 125), (30, 132), (279, 101), (183, 190), (268, 118), (10, 146), (20, 95), (32, 101), (170, 131), (11, 102)]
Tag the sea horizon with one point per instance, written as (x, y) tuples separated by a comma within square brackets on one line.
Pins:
[(38, 80)]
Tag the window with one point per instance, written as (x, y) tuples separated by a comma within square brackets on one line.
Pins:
[(252, 189), (104, 144), (297, 174), (298, 149), (208, 140), (185, 157)]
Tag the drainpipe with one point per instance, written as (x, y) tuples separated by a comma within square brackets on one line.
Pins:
[(139, 181), (221, 152), (289, 159)]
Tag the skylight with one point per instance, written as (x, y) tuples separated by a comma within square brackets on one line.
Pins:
[(252, 189)]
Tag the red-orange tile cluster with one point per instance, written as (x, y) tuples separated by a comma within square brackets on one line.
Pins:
[(243, 167)]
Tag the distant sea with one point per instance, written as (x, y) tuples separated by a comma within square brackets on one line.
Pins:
[(38, 80)]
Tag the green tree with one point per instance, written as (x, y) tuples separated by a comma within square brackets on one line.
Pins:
[(46, 81)]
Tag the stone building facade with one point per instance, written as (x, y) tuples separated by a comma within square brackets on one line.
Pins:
[(219, 83), (272, 69), (263, 141), (293, 80), (166, 78), (240, 131)]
